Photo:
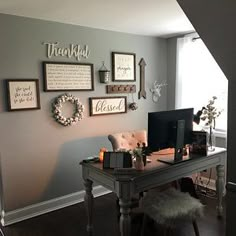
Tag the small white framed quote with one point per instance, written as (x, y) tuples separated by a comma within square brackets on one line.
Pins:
[(107, 105), (23, 94), (60, 76), (123, 66)]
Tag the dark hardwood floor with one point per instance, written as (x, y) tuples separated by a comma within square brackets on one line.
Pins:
[(71, 221)]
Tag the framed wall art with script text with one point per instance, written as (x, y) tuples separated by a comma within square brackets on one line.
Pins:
[(22, 94), (107, 105), (60, 76), (123, 67)]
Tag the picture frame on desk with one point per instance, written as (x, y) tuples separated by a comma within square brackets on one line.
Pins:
[(199, 143), (114, 160)]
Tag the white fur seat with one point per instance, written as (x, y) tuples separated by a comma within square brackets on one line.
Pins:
[(171, 206)]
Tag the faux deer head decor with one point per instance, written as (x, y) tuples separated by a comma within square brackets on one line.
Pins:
[(156, 90)]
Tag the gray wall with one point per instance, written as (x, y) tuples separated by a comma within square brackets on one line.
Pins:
[(40, 158)]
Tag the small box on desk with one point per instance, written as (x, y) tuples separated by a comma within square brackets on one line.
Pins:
[(117, 160), (198, 146)]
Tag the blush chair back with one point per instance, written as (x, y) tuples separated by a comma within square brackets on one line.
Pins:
[(128, 139)]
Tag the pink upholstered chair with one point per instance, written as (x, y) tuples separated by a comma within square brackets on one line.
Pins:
[(128, 139)]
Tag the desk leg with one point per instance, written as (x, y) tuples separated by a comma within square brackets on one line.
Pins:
[(220, 184), (88, 200), (125, 221)]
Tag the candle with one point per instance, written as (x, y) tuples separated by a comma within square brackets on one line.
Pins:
[(101, 153)]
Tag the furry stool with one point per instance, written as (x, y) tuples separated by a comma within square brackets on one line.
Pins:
[(169, 207)]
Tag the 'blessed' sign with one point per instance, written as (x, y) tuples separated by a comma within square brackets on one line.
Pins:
[(107, 105)]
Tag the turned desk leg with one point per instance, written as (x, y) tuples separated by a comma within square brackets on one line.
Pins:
[(220, 184), (125, 221), (88, 200)]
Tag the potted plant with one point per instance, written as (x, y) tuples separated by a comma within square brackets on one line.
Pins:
[(137, 153), (209, 115)]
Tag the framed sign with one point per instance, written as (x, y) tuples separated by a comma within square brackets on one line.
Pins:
[(107, 105), (123, 66), (23, 94), (60, 76)]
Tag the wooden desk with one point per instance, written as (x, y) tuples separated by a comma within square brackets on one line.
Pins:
[(127, 182)]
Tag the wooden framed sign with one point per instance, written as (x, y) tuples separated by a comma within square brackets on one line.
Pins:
[(123, 66), (23, 94), (60, 76), (107, 105)]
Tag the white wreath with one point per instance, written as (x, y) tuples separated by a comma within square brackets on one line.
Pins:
[(57, 105)]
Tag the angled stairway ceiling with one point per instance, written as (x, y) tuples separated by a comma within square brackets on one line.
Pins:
[(215, 23)]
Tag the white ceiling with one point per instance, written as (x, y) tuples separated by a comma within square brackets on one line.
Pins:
[(147, 17)]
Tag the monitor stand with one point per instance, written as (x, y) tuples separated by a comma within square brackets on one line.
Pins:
[(179, 145)]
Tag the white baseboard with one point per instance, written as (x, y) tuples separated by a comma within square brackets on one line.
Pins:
[(15, 216)]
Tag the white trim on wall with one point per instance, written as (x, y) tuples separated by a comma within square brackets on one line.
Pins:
[(28, 212)]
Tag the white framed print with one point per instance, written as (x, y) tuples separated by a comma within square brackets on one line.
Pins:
[(23, 94), (107, 105), (123, 66), (66, 76)]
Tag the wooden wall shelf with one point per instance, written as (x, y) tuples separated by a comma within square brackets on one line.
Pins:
[(125, 88)]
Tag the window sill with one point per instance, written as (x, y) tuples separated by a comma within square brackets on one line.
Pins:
[(220, 134)]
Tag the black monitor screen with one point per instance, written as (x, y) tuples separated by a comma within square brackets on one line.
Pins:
[(162, 128)]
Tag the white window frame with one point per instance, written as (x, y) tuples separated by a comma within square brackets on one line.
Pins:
[(183, 74)]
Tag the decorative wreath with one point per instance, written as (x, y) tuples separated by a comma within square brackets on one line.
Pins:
[(57, 105)]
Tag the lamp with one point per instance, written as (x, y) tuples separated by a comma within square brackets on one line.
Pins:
[(197, 116)]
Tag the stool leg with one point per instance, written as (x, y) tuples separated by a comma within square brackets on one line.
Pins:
[(118, 209), (168, 231), (165, 232), (143, 224), (195, 228)]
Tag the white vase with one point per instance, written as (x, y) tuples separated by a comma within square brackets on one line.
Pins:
[(138, 164)]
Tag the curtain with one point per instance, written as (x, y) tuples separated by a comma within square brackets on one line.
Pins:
[(199, 78)]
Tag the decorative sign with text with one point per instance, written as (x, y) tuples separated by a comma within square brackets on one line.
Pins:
[(123, 66), (74, 50), (23, 94), (60, 76), (107, 105)]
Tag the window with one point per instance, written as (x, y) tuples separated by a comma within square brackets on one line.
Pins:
[(199, 78)]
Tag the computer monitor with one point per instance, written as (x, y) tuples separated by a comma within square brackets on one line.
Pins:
[(169, 129)]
